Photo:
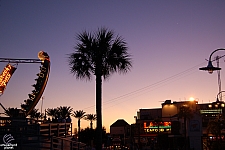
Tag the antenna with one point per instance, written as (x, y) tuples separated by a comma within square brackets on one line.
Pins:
[(42, 98)]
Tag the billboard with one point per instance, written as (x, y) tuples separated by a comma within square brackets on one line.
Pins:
[(157, 126), (5, 76)]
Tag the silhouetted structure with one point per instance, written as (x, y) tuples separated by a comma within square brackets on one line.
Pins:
[(25, 134)]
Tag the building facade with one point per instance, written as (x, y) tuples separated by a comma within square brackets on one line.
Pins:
[(178, 124)]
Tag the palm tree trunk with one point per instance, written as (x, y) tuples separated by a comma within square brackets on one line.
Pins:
[(91, 125), (78, 125), (99, 112), (78, 129)]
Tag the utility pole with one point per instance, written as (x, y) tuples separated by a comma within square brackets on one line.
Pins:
[(42, 98), (219, 80)]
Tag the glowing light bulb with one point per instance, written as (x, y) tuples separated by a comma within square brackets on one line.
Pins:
[(191, 98)]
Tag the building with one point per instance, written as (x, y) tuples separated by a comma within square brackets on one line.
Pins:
[(120, 133), (213, 117), (177, 124)]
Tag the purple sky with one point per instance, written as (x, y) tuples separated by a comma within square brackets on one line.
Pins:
[(168, 41)]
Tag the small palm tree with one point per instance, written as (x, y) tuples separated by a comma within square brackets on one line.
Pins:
[(79, 115), (64, 111), (52, 112), (36, 115), (91, 118), (100, 54)]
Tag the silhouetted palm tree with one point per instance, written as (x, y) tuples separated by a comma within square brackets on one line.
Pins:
[(99, 54), (64, 111), (52, 112), (91, 118), (35, 114), (79, 115)]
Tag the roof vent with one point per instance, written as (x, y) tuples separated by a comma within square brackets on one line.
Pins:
[(168, 102)]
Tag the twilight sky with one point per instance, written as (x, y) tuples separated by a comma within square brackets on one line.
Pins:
[(168, 41)]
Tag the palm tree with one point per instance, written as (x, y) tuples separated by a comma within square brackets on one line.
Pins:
[(52, 112), (99, 54), (36, 115), (79, 115), (65, 111), (91, 118)]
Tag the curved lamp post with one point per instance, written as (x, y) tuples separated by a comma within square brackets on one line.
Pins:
[(217, 99), (219, 104), (210, 68)]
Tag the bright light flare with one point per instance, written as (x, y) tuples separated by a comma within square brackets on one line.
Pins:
[(191, 99)]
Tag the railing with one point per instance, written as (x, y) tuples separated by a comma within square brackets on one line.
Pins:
[(54, 143), (56, 129), (45, 129), (66, 144)]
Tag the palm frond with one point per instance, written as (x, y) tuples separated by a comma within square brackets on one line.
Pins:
[(99, 53), (79, 114)]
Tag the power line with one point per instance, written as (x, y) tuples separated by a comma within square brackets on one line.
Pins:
[(151, 86)]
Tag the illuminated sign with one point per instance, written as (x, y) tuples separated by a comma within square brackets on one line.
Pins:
[(157, 126), (211, 111), (5, 76), (39, 86)]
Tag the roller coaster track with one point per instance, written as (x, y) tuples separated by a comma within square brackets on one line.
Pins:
[(41, 80)]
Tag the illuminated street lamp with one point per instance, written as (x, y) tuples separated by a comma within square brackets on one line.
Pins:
[(210, 68)]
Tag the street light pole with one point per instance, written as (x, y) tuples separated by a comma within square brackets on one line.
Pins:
[(210, 68), (217, 99)]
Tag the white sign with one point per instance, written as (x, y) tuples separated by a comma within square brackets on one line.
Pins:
[(7, 138)]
